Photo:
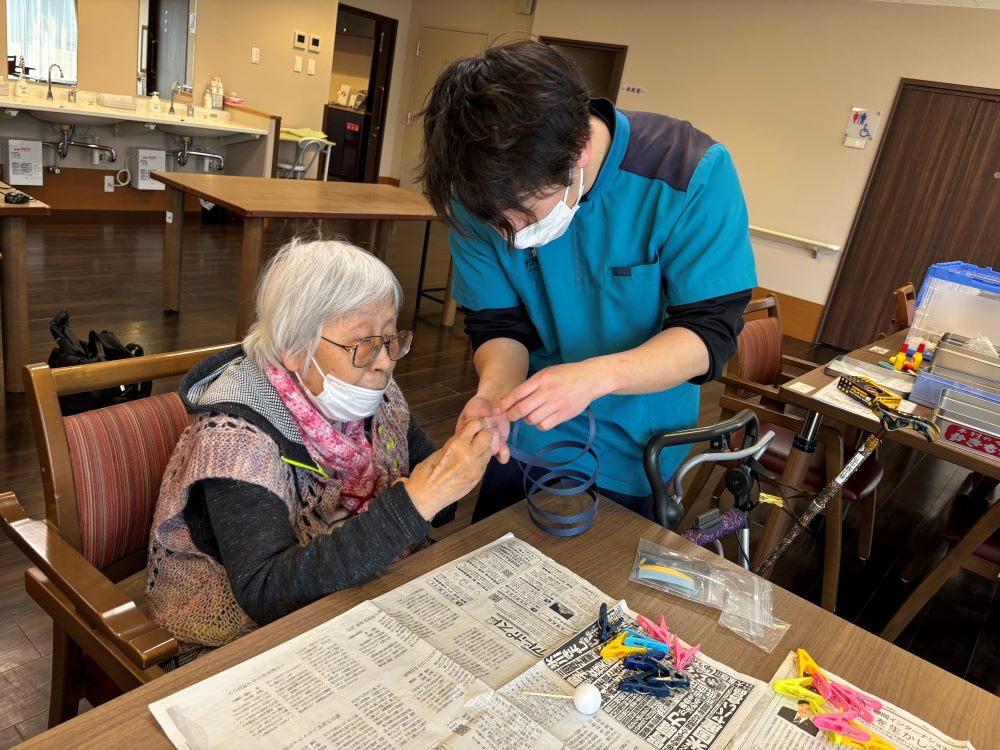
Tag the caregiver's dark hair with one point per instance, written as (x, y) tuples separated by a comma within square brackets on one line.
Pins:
[(502, 127)]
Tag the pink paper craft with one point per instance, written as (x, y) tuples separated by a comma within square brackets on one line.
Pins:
[(840, 723), (657, 632), (682, 656)]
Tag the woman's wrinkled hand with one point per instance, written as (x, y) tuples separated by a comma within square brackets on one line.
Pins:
[(451, 472)]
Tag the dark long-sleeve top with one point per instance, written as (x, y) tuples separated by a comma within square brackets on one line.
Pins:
[(246, 528), (716, 321)]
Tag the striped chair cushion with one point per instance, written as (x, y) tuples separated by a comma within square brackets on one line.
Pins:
[(118, 455), (760, 351)]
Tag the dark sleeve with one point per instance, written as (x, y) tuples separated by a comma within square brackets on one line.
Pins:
[(420, 446), (501, 323), (718, 322), (271, 575)]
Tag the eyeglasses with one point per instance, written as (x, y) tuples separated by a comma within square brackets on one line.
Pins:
[(366, 350)]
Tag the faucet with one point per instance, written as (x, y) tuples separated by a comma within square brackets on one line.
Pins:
[(173, 90), (53, 65)]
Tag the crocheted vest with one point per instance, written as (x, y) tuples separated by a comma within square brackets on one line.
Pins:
[(187, 590)]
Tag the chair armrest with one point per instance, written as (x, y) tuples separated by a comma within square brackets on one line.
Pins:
[(759, 389), (801, 364), (96, 598)]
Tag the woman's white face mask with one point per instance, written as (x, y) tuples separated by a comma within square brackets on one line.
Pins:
[(551, 227), (343, 402)]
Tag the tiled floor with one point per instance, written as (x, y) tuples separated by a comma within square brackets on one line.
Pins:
[(108, 276)]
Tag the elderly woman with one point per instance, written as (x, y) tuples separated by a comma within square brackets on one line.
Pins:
[(303, 471)]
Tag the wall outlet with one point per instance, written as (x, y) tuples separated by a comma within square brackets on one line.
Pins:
[(311, 67), (255, 55), (109, 183), (297, 65)]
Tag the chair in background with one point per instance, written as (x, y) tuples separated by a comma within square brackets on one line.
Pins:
[(905, 301), (101, 473), (307, 150), (970, 531), (751, 382)]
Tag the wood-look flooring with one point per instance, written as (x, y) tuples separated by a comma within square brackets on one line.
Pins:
[(109, 276)]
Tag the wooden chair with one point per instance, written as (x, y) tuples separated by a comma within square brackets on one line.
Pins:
[(905, 300), (970, 528), (751, 382), (101, 473)]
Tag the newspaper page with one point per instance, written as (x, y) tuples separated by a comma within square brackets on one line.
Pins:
[(358, 681), (369, 678), (498, 610), (781, 724)]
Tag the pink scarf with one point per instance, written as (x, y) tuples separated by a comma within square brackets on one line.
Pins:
[(347, 455)]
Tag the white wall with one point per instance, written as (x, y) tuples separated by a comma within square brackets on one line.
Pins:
[(775, 80)]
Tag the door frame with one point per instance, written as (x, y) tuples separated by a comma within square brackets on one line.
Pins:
[(379, 78), (957, 89), (620, 50)]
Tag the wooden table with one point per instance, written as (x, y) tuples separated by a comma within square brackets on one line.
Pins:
[(14, 285), (794, 393), (259, 198), (603, 556)]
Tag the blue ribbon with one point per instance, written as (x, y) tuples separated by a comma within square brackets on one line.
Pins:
[(555, 523)]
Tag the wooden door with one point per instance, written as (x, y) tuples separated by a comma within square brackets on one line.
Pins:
[(969, 228), (931, 197), (436, 50), (378, 94)]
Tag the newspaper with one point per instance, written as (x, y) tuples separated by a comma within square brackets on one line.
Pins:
[(782, 725), (444, 662)]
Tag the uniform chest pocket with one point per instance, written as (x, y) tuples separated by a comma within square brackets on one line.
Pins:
[(633, 303)]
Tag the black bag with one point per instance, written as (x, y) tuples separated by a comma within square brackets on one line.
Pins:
[(99, 347)]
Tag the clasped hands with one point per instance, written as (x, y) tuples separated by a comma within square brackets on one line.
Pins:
[(546, 399)]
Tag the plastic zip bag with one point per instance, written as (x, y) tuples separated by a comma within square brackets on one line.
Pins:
[(745, 600)]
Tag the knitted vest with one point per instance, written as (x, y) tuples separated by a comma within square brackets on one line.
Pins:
[(187, 590)]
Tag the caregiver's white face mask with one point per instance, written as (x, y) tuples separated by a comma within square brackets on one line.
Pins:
[(343, 402), (553, 226)]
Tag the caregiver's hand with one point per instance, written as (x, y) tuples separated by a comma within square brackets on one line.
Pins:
[(553, 395)]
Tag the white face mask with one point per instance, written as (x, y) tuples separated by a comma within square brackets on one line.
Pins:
[(343, 402), (552, 227)]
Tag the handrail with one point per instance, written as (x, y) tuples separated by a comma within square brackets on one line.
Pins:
[(813, 245)]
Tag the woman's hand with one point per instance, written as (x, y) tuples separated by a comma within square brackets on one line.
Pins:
[(451, 472), (483, 409)]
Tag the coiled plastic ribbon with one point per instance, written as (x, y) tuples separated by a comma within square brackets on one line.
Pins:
[(559, 481)]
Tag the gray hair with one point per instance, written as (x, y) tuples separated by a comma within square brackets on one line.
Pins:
[(308, 285)]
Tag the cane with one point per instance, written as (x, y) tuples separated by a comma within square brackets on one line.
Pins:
[(891, 419)]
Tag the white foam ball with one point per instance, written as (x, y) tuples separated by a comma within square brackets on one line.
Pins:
[(587, 698)]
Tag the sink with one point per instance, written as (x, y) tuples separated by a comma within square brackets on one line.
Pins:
[(70, 115)]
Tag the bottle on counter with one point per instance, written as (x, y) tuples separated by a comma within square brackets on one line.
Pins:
[(21, 89), (154, 102)]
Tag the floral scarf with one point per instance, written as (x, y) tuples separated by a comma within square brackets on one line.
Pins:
[(345, 454)]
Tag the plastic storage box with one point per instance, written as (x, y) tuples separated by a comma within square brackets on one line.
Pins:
[(957, 297)]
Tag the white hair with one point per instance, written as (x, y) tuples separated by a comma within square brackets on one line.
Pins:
[(306, 286)]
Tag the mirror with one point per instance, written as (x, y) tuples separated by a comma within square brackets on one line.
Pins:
[(33, 45), (167, 31)]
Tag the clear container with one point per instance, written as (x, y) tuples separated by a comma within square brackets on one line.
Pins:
[(960, 298)]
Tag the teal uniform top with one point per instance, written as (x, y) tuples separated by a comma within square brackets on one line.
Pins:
[(665, 224)]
